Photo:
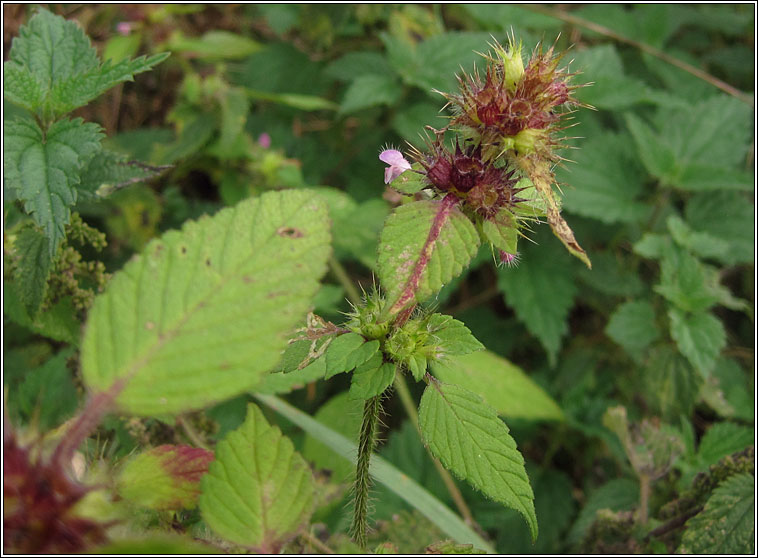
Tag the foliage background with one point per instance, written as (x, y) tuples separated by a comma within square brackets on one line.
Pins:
[(660, 194)]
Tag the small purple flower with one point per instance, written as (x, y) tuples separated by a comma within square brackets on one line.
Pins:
[(397, 164), (124, 28), (508, 260), (264, 140)]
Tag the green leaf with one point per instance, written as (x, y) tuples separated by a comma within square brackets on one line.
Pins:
[(47, 393), (285, 382), (44, 169), (632, 325), (726, 216), (108, 172), (502, 385), (727, 391), (700, 337), (616, 495), (348, 351), (370, 90), (424, 244), (372, 377), (58, 322), (33, 268), (342, 414), (164, 478), (684, 282), (410, 182), (54, 69), (450, 547), (356, 64), (259, 491), (194, 135), (203, 312), (294, 100), (701, 244), (606, 181), (385, 473), (470, 440), (214, 45), (502, 232), (541, 291), (720, 440), (451, 336), (671, 382), (726, 525), (156, 545)]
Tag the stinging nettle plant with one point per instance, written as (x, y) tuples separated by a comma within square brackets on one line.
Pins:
[(206, 313)]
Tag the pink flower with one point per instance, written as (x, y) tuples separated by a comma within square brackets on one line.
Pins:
[(124, 27), (508, 260), (264, 140), (397, 164)]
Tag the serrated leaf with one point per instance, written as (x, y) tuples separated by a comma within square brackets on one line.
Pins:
[(164, 478), (44, 169), (58, 322), (259, 491), (502, 231), (285, 382), (108, 172), (605, 182), (726, 216), (348, 351), (54, 69), (632, 325), (501, 384), (372, 377), (726, 525), (451, 336), (470, 440), (720, 440), (370, 90), (204, 311), (410, 182), (700, 244), (33, 268), (684, 281), (616, 495), (541, 290), (727, 391), (423, 245), (700, 337), (671, 382)]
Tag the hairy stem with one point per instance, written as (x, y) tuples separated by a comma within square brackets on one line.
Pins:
[(410, 408), (644, 498), (366, 443)]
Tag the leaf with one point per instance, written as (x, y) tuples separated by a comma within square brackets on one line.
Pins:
[(700, 337), (671, 382), (342, 414), (33, 268), (294, 100), (384, 473), (720, 440), (44, 169), (727, 391), (632, 325), (726, 216), (285, 382), (164, 478), (348, 351), (541, 291), (155, 545), (423, 245), (502, 385), (450, 547), (47, 395), (470, 440), (726, 525), (606, 181), (54, 69), (259, 491), (451, 336), (502, 232), (370, 90), (372, 377), (108, 172), (700, 244), (205, 311), (356, 64), (214, 45), (58, 322), (684, 282)]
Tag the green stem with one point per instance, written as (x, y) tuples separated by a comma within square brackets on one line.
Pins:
[(344, 279), (366, 443), (410, 408)]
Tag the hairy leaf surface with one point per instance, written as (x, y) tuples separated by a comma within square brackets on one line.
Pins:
[(204, 311), (259, 490), (469, 438)]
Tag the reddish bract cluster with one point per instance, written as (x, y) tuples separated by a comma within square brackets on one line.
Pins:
[(38, 499), (482, 186)]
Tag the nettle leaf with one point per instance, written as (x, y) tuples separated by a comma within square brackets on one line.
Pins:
[(423, 245), (726, 216), (259, 491), (502, 385), (672, 384), (53, 68), (59, 322), (720, 440), (44, 167), (632, 325), (726, 525), (684, 282), (372, 377), (108, 172), (410, 181), (32, 268), (700, 337), (606, 181), (164, 478), (205, 311), (451, 336), (541, 291), (370, 90), (348, 351), (470, 440), (501, 231)]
